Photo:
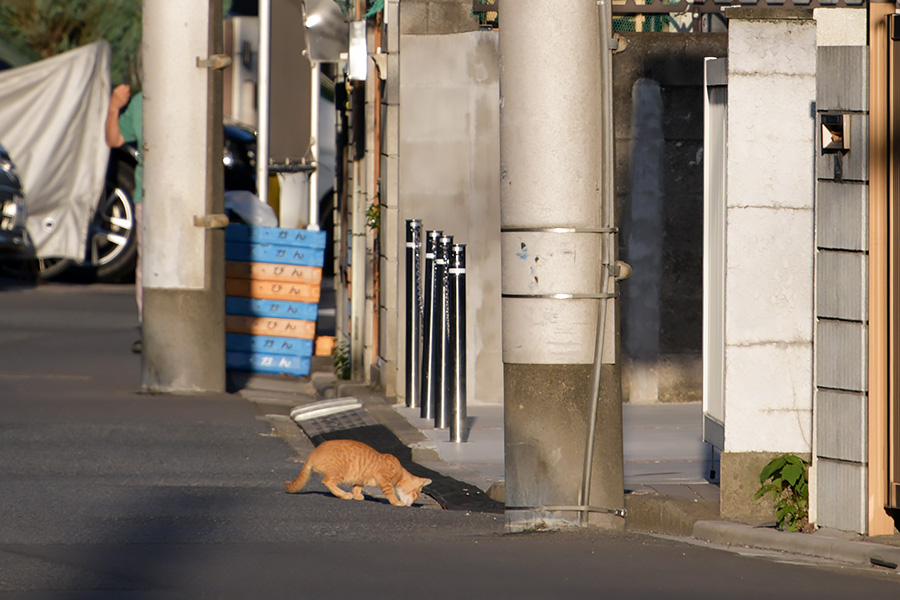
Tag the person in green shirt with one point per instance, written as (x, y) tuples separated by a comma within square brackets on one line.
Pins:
[(124, 123)]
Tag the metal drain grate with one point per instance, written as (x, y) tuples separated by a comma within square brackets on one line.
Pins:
[(350, 419), (329, 416)]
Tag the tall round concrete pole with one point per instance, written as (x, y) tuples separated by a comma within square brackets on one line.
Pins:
[(551, 128), (183, 243)]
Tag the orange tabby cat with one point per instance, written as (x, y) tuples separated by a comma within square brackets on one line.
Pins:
[(355, 463)]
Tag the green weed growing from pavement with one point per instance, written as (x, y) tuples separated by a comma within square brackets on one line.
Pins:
[(341, 356), (786, 480)]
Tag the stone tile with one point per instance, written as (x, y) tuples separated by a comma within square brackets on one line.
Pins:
[(769, 276), (790, 47), (842, 218), (841, 425), (841, 355), (841, 495), (771, 128), (768, 392), (842, 285)]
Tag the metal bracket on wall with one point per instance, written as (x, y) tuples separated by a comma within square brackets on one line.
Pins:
[(380, 60), (215, 62), (211, 221), (621, 270)]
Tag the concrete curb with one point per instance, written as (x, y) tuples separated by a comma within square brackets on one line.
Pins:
[(852, 552), (662, 514)]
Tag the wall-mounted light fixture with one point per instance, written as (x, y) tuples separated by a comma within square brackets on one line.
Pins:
[(835, 132)]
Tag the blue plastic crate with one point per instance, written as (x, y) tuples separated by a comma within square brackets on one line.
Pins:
[(259, 362), (259, 307), (241, 342), (277, 254), (276, 235)]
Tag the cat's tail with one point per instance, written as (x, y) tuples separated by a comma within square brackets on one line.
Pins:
[(297, 484)]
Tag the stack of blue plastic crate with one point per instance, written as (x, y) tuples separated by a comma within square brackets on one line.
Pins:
[(273, 280)]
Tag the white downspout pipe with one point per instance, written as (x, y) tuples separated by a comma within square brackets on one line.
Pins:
[(262, 140)]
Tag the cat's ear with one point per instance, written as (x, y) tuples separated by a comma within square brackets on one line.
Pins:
[(426, 482)]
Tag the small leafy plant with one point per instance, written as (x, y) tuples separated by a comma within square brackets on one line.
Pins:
[(786, 480), (373, 216), (340, 354)]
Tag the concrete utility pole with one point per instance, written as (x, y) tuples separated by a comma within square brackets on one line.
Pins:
[(552, 243), (183, 239)]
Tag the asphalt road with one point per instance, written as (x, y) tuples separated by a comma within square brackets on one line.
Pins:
[(109, 493)]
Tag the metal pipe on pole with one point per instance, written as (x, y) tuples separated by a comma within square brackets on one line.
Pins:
[(315, 97), (357, 275), (443, 357), (262, 137), (413, 310), (358, 268), (459, 431), (429, 363), (607, 159)]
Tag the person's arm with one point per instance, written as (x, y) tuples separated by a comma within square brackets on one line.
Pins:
[(117, 101)]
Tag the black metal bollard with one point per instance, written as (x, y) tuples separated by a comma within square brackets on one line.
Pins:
[(427, 396), (413, 310), (459, 432), (444, 372)]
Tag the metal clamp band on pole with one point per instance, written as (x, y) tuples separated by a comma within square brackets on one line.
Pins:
[(600, 230), (619, 512), (427, 396), (443, 355), (413, 310), (601, 296), (457, 304)]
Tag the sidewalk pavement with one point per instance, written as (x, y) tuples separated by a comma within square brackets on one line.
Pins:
[(670, 474)]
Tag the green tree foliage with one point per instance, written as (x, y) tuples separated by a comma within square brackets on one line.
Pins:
[(44, 28), (370, 7)]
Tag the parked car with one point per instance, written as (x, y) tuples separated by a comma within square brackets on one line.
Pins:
[(112, 240), (13, 236)]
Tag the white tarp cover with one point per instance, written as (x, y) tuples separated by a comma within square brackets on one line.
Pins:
[(52, 116)]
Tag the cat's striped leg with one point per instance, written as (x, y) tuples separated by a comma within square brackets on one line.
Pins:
[(331, 484)]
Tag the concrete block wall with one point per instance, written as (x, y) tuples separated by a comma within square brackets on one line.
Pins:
[(660, 205), (769, 247), (840, 446), (437, 17)]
